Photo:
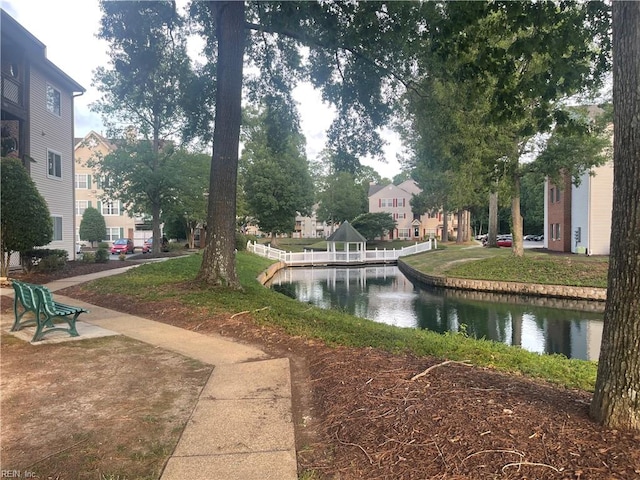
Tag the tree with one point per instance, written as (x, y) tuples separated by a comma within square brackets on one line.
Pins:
[(342, 199), (144, 91), (372, 225), (348, 59), (525, 58), (188, 208), (218, 262), (92, 226), (25, 221), (275, 172), (616, 400), (142, 178)]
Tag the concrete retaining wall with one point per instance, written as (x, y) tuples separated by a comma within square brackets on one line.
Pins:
[(532, 289)]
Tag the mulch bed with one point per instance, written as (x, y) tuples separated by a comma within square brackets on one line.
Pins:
[(361, 414)]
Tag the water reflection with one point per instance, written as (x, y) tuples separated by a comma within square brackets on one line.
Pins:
[(383, 294)]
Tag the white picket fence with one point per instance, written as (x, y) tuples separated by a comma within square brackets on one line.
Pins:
[(311, 257)]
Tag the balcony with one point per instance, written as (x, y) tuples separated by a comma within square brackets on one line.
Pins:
[(12, 90)]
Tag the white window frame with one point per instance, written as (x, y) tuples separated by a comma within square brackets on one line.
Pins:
[(112, 234), (81, 206), (404, 233), (57, 227), (53, 174), (386, 202), (52, 106), (79, 178), (110, 208)]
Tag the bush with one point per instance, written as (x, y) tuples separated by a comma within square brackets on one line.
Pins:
[(104, 245), (241, 242), (102, 255), (88, 257), (44, 260)]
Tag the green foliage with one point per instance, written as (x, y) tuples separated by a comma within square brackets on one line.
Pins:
[(275, 172), (372, 225), (342, 199), (88, 257), (102, 255), (44, 259), (25, 222), (93, 227), (104, 245), (532, 203), (188, 208)]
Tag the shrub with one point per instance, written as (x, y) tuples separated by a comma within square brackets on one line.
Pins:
[(92, 225), (44, 260), (102, 255), (241, 242), (88, 257), (104, 245)]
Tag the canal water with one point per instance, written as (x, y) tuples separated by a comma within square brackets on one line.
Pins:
[(384, 294)]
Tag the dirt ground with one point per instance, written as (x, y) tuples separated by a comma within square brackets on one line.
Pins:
[(368, 414)]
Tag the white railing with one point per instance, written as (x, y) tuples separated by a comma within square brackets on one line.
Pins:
[(314, 257)]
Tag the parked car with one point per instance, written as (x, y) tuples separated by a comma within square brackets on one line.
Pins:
[(148, 245), (504, 240), (530, 238), (122, 245)]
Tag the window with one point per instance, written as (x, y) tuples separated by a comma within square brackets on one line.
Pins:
[(57, 228), (555, 231), (53, 100), (386, 202), (404, 233), (54, 162), (113, 233), (552, 195), (83, 180), (557, 194), (110, 208), (81, 206)]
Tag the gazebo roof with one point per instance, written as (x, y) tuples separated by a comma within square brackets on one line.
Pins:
[(347, 234)]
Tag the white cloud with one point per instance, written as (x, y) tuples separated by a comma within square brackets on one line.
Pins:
[(68, 29)]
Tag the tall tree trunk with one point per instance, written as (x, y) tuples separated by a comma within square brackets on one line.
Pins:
[(460, 220), (616, 401), (445, 225), (517, 246), (492, 233), (218, 261)]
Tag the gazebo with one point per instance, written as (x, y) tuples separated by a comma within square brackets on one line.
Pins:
[(347, 235)]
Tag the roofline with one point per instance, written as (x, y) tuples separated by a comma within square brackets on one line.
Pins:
[(37, 50)]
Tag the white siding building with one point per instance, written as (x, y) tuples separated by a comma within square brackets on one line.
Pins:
[(38, 116)]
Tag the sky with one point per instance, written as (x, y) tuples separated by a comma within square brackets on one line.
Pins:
[(68, 29)]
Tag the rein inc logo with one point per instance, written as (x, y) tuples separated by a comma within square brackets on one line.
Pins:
[(17, 474)]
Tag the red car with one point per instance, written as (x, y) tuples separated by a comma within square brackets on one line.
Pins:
[(505, 241), (122, 245), (148, 245)]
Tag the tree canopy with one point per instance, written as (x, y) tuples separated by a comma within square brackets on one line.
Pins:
[(274, 168), (25, 221), (93, 227)]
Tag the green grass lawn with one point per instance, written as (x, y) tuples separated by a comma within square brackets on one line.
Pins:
[(500, 265), (160, 280)]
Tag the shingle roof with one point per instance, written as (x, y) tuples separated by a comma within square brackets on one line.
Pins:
[(346, 233)]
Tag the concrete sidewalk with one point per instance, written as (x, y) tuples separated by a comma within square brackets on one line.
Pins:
[(242, 425)]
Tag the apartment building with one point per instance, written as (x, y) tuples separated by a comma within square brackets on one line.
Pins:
[(396, 200), (38, 124)]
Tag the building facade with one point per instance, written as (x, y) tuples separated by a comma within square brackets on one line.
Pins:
[(578, 218), (38, 124), (396, 200)]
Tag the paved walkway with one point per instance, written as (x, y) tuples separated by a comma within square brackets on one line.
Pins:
[(241, 427)]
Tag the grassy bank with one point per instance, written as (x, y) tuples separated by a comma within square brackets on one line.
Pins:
[(500, 265), (157, 281)]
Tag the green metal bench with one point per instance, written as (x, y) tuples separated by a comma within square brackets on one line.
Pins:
[(38, 300)]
